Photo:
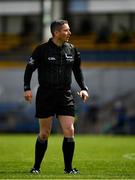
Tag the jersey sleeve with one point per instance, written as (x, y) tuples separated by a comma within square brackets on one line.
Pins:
[(78, 72), (31, 67)]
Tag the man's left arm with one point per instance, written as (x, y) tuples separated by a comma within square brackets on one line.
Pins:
[(79, 76)]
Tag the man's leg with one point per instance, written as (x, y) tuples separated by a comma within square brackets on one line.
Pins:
[(67, 124), (45, 125)]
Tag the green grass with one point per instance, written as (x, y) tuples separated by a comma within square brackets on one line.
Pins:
[(97, 157)]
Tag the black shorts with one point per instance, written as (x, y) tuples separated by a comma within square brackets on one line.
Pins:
[(50, 102)]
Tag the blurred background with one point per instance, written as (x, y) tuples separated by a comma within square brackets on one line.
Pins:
[(103, 31)]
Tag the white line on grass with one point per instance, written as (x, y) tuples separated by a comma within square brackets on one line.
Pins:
[(130, 156)]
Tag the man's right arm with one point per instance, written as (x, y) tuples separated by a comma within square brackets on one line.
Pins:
[(30, 68)]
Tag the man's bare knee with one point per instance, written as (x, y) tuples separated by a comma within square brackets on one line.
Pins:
[(69, 131), (44, 135)]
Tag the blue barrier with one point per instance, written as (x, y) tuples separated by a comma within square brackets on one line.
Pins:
[(108, 55)]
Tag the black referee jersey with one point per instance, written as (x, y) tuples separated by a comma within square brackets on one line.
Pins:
[(55, 66)]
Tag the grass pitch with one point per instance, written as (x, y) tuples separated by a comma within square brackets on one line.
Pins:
[(97, 157)]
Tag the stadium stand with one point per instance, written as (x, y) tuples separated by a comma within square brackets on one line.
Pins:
[(8, 42)]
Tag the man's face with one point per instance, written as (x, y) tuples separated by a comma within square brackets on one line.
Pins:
[(64, 33)]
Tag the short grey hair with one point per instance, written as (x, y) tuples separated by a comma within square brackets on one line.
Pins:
[(56, 25)]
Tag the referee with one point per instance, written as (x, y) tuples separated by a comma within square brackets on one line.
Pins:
[(55, 60)]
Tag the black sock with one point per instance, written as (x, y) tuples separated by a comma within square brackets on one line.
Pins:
[(68, 151), (40, 149)]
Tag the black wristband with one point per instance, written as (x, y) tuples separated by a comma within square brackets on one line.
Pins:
[(85, 88), (26, 88)]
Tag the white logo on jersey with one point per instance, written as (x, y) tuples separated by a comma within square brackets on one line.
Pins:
[(69, 57), (31, 61), (51, 58)]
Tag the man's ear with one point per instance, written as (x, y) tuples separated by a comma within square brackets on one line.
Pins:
[(56, 33)]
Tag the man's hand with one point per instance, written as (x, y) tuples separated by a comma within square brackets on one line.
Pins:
[(28, 96), (84, 95)]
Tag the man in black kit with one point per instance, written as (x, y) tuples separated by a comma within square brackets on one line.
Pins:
[(55, 60)]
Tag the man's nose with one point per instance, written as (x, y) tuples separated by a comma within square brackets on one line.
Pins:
[(69, 32)]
